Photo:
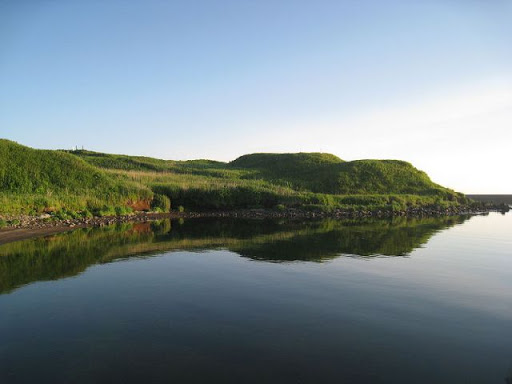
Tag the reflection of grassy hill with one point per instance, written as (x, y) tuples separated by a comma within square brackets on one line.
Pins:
[(68, 254), (397, 237), (32, 178)]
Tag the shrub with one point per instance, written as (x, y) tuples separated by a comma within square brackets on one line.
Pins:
[(122, 211), (280, 207), (161, 202), (106, 210), (86, 213), (62, 215)]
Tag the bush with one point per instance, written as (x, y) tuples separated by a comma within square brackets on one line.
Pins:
[(62, 215), (3, 223), (123, 211), (161, 202), (106, 210), (86, 213), (280, 207)]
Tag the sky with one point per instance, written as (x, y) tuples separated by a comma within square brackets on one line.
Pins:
[(429, 82)]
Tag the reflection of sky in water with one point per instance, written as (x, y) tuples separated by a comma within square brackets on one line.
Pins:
[(468, 265)]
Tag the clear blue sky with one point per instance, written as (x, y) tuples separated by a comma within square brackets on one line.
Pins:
[(429, 82)]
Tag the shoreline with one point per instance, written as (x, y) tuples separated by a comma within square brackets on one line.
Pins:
[(33, 226)]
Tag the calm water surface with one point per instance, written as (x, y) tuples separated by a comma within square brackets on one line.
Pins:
[(402, 301)]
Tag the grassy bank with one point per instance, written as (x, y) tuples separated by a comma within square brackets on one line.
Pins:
[(36, 181), (89, 183)]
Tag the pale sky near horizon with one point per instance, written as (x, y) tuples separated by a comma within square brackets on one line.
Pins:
[(429, 82)]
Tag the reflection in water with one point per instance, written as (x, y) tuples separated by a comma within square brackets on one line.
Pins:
[(508, 379), (68, 254)]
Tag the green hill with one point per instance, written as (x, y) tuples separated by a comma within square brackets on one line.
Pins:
[(289, 179), (326, 173), (39, 180), (286, 162), (33, 181), (142, 163)]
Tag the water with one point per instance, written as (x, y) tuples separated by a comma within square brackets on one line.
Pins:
[(401, 301), (497, 199)]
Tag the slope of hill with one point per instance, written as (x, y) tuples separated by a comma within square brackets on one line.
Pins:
[(143, 163), (312, 172), (326, 173), (38, 180), (286, 162), (289, 179)]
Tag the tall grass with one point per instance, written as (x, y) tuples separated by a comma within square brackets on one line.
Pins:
[(205, 192), (34, 181)]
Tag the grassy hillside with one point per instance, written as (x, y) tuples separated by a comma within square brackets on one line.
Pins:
[(325, 173), (281, 163), (32, 181), (310, 180), (307, 172), (149, 164)]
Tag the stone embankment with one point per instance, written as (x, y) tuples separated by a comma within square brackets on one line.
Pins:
[(48, 221)]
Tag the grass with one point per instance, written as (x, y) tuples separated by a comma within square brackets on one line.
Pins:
[(195, 192), (34, 181), (325, 173)]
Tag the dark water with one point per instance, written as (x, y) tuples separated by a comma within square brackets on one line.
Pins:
[(402, 301)]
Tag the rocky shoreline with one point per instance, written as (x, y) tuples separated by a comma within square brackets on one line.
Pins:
[(48, 221)]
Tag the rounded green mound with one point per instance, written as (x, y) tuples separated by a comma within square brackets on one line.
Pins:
[(285, 161)]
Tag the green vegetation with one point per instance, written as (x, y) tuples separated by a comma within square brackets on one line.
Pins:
[(70, 253), (313, 181), (161, 203), (35, 181), (84, 182), (325, 173)]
